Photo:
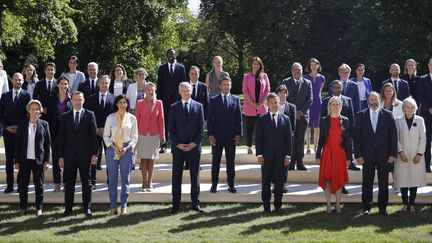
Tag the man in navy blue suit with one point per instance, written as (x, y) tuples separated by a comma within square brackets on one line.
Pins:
[(170, 75), (77, 151), (186, 128), (273, 141), (401, 86), (225, 127), (375, 147), (90, 85), (102, 104), (45, 87), (12, 112), (349, 88), (425, 97)]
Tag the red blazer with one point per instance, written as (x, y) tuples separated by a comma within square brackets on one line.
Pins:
[(150, 121)]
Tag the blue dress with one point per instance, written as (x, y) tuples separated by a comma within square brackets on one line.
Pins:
[(315, 109)]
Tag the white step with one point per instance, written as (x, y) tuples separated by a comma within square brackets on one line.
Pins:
[(246, 193)]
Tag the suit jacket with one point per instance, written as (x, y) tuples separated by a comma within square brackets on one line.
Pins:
[(41, 91), (248, 88), (367, 84), (13, 113), (301, 98), (352, 92), (403, 90), (425, 86), (82, 141), (101, 113), (150, 121), (345, 138), (184, 129), (273, 142), (201, 96), (42, 142), (74, 84), (290, 110), (347, 110), (384, 141), (225, 123), (167, 90), (85, 88), (52, 113), (126, 84)]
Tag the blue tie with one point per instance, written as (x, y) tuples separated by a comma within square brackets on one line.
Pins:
[(374, 120), (76, 119)]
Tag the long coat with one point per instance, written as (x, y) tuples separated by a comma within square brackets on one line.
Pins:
[(410, 141)]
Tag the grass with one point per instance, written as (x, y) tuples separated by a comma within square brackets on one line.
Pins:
[(221, 223)]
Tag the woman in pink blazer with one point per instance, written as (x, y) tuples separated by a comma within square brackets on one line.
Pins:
[(256, 87), (151, 130)]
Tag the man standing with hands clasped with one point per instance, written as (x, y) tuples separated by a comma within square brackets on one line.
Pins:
[(375, 146), (273, 149), (78, 146)]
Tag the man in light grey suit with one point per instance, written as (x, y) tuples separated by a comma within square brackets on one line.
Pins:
[(300, 94)]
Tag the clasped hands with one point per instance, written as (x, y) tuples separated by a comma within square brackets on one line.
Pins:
[(404, 158), (212, 140), (390, 160), (186, 147)]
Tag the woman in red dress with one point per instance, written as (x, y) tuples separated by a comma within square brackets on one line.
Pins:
[(335, 145)]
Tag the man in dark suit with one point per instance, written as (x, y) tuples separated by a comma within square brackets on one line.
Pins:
[(45, 87), (273, 149), (347, 111), (425, 87), (12, 112), (401, 86), (375, 146), (349, 88), (225, 128), (170, 75), (102, 104), (78, 146), (90, 85), (199, 89), (300, 94), (186, 128)]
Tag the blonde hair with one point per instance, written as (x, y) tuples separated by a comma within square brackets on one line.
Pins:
[(344, 66), (31, 102), (415, 66), (332, 100)]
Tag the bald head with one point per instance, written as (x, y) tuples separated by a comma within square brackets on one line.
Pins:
[(17, 80), (394, 70), (296, 70)]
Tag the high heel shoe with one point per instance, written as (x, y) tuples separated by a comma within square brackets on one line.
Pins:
[(412, 209)]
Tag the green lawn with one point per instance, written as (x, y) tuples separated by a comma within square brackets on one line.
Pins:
[(221, 223)]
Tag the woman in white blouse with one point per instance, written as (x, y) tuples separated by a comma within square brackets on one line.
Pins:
[(136, 91), (120, 82), (73, 74), (120, 136), (409, 171)]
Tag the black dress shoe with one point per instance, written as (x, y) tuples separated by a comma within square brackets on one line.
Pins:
[(383, 212), (301, 167), (428, 170), (266, 210), (344, 190), (273, 189), (353, 167), (232, 189), (186, 166), (163, 148), (88, 213), (8, 190), (99, 168), (67, 212), (173, 211), (291, 167), (198, 209), (213, 189), (366, 212), (277, 210)]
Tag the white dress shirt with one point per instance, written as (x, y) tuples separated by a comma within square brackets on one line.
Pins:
[(31, 153), (130, 130)]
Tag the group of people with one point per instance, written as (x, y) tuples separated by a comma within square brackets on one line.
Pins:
[(74, 119)]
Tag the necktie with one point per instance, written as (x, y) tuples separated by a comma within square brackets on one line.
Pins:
[(344, 87), (92, 86), (49, 86), (395, 84), (171, 70), (374, 120), (274, 120), (186, 110), (76, 119), (15, 99), (194, 91), (225, 102), (102, 102)]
